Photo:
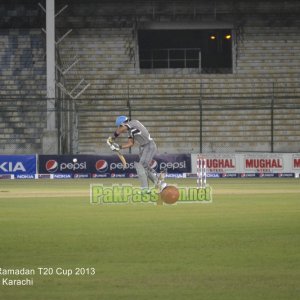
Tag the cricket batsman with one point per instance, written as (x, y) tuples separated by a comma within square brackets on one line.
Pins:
[(137, 132)]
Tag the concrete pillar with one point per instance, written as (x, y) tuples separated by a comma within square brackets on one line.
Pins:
[(50, 141)]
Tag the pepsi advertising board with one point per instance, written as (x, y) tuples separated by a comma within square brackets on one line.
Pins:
[(65, 164), (18, 164), (173, 163), (109, 165)]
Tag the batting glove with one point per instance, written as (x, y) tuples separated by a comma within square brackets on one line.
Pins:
[(112, 145), (110, 140), (115, 147)]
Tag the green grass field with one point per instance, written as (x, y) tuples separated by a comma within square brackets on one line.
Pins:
[(243, 245)]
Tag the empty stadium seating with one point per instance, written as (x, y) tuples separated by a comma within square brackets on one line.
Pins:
[(185, 111), (23, 89), (236, 108)]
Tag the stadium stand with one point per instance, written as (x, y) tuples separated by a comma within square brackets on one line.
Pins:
[(23, 88), (256, 108), (236, 108)]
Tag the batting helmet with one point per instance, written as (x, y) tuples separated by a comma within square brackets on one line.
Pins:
[(120, 120)]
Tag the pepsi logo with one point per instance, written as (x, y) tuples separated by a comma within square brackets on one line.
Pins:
[(101, 165), (51, 166)]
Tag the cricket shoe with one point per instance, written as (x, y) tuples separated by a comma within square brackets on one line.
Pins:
[(162, 186), (161, 177)]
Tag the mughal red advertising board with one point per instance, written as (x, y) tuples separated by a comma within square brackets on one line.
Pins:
[(246, 163)]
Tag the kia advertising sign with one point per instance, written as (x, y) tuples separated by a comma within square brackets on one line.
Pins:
[(17, 164), (109, 165)]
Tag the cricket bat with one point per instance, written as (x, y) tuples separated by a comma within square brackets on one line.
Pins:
[(122, 159)]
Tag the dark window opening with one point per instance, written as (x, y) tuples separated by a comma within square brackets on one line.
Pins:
[(209, 51)]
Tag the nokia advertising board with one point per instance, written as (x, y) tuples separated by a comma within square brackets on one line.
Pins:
[(18, 165)]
